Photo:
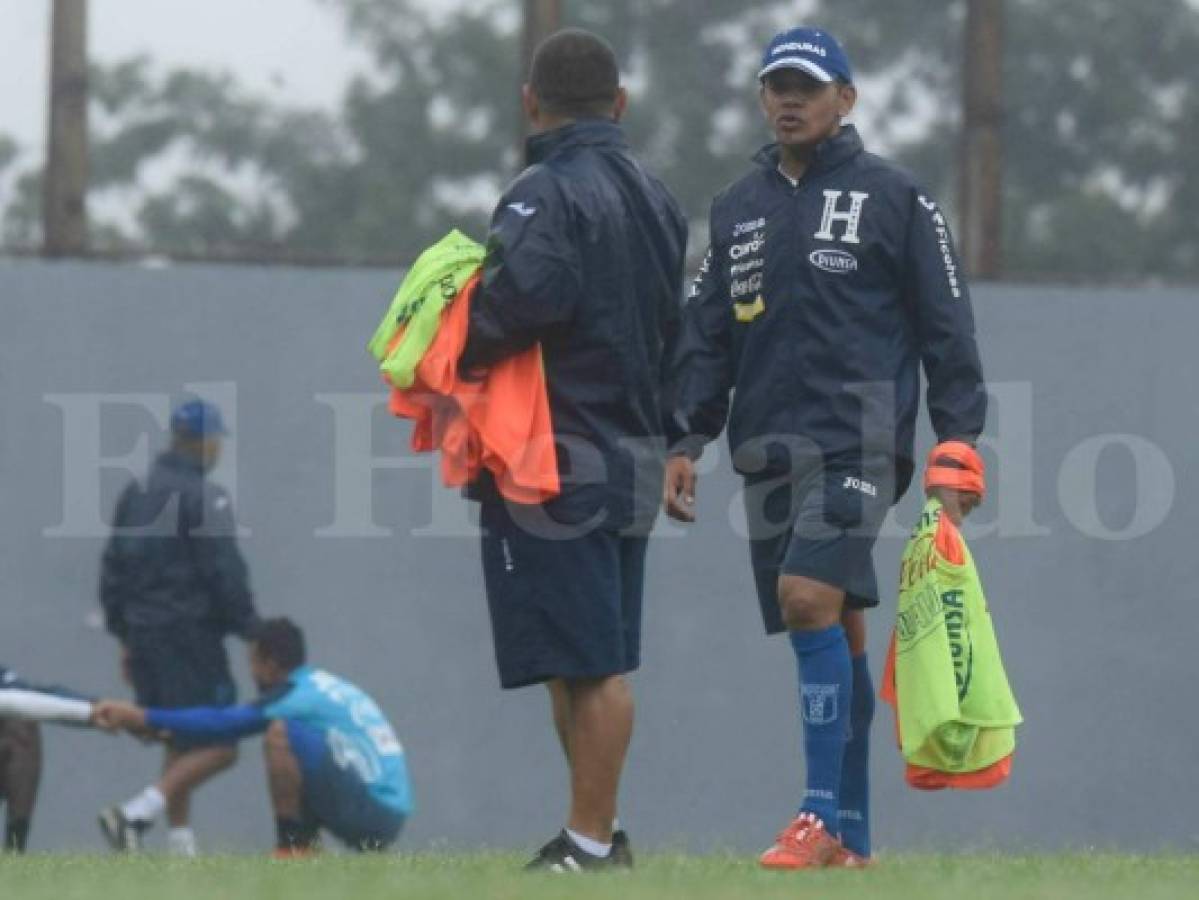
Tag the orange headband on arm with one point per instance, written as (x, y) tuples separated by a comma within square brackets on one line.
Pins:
[(957, 465)]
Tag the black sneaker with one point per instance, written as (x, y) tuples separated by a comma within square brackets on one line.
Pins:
[(123, 835), (562, 856), (622, 850)]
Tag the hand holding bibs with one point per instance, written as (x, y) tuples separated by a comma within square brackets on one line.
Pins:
[(956, 465)]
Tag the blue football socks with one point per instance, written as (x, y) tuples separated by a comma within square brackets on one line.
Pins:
[(825, 685), (854, 814)]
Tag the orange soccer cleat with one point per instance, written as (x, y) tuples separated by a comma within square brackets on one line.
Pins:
[(803, 844)]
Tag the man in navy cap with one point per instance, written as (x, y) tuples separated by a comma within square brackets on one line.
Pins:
[(830, 279), (173, 584)]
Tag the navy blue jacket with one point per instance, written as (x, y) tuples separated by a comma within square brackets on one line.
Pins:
[(586, 255), (180, 563), (817, 302)]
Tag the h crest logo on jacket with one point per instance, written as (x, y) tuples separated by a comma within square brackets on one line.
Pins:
[(851, 217)]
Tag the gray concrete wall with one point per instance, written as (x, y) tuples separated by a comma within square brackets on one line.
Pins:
[(1086, 548)]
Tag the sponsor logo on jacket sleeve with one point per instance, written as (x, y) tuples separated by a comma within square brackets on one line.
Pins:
[(944, 245)]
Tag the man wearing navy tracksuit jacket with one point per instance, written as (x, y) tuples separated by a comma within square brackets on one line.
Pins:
[(831, 277), (585, 257)]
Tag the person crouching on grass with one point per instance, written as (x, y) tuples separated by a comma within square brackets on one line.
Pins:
[(332, 759)]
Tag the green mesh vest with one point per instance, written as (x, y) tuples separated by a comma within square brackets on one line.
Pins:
[(956, 709), (437, 276)]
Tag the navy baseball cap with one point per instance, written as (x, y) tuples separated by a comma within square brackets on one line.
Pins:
[(197, 419), (809, 50)]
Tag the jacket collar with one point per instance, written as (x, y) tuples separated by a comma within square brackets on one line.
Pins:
[(830, 153), (584, 133)]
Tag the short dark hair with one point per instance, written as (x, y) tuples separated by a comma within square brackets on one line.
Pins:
[(575, 74), (281, 641)]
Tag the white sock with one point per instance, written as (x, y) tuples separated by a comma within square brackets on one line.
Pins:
[(146, 806), (616, 824), (181, 842), (590, 845)]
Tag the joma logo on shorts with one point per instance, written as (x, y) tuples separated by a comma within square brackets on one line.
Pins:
[(857, 484)]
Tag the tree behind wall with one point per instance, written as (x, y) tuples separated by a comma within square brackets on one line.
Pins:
[(1098, 121)]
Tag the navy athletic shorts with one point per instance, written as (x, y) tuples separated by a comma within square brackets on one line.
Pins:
[(822, 524), (180, 666), (563, 605), (336, 798)]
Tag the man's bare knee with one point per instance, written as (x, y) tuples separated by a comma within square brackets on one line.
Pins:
[(807, 604)]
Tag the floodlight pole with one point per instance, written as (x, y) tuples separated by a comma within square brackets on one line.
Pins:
[(64, 198), (542, 18), (981, 164)]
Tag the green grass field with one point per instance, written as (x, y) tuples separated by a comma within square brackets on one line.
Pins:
[(1086, 877)]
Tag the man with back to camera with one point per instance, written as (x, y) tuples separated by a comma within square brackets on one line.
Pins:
[(332, 759), (829, 279), (173, 584), (585, 256)]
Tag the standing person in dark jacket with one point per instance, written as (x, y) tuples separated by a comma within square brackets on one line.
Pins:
[(173, 584), (830, 278), (585, 256)]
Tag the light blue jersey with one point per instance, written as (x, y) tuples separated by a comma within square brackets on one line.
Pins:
[(355, 731), (345, 723)]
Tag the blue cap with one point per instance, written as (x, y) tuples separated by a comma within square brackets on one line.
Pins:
[(197, 419), (809, 50)]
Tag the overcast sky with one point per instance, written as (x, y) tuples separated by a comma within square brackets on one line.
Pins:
[(290, 48)]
